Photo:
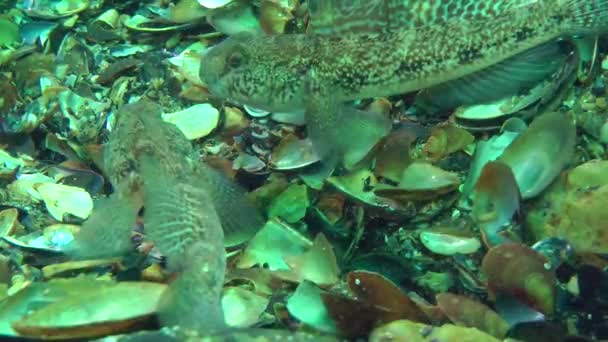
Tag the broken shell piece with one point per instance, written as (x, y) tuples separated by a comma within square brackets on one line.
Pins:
[(358, 185), (248, 163), (213, 3), (489, 150), (188, 63), (85, 116), (446, 139), (104, 27), (73, 57), (271, 244), (446, 244), (541, 152), (256, 113), (393, 155), (9, 221), (144, 24), (467, 312), (195, 122), (421, 181), (274, 16), (292, 153), (26, 185), (291, 204), (243, 308), (234, 17), (62, 199), (53, 9), (317, 265), (8, 162), (9, 32), (186, 11), (307, 305)]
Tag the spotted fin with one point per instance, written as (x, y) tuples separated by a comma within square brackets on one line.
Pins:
[(507, 78), (340, 134), (107, 232), (381, 16)]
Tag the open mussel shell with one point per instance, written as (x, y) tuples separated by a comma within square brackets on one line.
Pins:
[(53, 9)]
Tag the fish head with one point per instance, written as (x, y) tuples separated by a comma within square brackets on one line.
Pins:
[(259, 71)]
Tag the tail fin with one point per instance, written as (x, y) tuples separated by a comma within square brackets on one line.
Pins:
[(588, 16)]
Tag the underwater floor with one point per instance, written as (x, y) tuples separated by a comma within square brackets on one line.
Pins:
[(164, 176)]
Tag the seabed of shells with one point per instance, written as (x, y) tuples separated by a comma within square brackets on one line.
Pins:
[(489, 221)]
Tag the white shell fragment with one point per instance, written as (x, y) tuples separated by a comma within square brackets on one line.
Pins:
[(213, 3), (255, 112), (62, 199), (195, 122), (446, 244), (188, 62), (8, 162)]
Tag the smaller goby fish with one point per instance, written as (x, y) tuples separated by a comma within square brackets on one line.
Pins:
[(403, 47)]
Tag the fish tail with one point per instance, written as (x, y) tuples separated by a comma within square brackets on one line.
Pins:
[(586, 16)]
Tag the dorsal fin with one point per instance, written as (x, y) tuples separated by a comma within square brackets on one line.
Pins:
[(382, 16)]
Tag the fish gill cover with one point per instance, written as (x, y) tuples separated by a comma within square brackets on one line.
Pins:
[(196, 170)]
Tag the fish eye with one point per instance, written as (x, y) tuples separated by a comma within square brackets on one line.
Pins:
[(235, 60)]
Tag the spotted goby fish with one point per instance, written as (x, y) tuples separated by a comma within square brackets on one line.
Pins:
[(151, 163), (319, 72)]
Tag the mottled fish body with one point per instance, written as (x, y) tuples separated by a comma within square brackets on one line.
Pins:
[(314, 71)]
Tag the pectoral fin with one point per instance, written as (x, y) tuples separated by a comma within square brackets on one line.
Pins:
[(107, 233), (340, 134), (239, 217)]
